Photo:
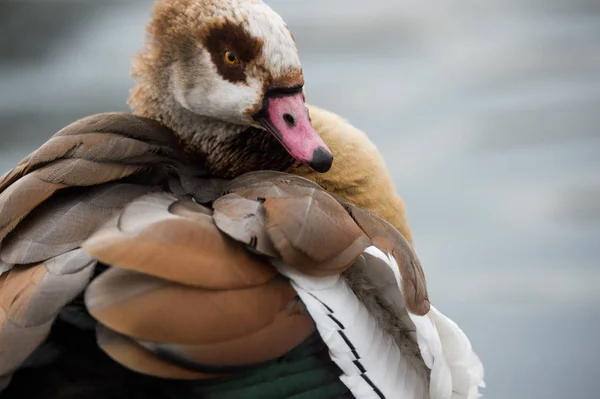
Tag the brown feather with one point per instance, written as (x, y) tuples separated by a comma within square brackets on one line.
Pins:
[(17, 292), (30, 299), (21, 198), (288, 330), (271, 184), (203, 189), (244, 220), (314, 233), (15, 174), (389, 240), (125, 124), (307, 226), (76, 139), (122, 301), (268, 177), (94, 150), (17, 343), (150, 239), (101, 147), (63, 222), (132, 355)]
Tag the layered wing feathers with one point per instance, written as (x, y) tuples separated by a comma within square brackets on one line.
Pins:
[(192, 291), (30, 300), (46, 212), (95, 150)]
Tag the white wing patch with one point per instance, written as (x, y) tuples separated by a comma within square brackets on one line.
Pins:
[(372, 364), (369, 358), (456, 371)]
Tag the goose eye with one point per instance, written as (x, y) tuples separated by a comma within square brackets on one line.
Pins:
[(231, 58)]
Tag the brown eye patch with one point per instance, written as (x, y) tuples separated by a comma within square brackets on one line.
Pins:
[(234, 38)]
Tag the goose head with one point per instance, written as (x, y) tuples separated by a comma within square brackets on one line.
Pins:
[(226, 77)]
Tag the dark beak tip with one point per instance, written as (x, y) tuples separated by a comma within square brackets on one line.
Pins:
[(321, 160)]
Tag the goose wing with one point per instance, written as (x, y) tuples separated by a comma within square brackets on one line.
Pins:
[(112, 190), (53, 201), (370, 335), (195, 292)]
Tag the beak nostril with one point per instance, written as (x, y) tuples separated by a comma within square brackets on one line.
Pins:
[(289, 119)]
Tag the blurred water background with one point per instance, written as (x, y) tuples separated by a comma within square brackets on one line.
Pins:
[(488, 114)]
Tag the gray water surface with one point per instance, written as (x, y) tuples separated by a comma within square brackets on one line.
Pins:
[(488, 114)]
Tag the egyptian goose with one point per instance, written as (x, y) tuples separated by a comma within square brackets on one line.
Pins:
[(187, 251)]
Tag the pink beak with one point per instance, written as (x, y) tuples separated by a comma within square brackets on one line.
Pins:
[(286, 117)]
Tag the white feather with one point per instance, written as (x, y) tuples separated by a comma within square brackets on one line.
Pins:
[(371, 362), (456, 371), (369, 358), (4, 267)]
